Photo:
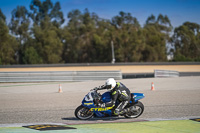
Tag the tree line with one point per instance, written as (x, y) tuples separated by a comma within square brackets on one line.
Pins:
[(41, 35)]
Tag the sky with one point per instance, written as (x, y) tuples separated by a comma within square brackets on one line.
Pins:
[(178, 11)]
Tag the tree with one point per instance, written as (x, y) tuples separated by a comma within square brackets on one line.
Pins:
[(82, 27), (40, 10), (47, 42), (39, 36), (19, 27), (2, 16), (186, 42), (156, 33), (8, 44), (71, 37), (31, 56), (19, 24), (101, 41), (47, 45), (126, 37)]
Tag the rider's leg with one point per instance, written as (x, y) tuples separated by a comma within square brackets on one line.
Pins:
[(120, 108)]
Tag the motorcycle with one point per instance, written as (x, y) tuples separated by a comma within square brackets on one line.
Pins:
[(90, 102)]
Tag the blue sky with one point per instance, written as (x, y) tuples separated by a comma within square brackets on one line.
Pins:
[(178, 11)]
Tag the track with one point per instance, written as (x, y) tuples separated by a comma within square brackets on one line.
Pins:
[(173, 98)]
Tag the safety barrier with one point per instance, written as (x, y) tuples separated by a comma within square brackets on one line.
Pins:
[(165, 73), (48, 76)]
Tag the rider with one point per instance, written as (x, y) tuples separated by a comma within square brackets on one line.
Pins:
[(119, 92)]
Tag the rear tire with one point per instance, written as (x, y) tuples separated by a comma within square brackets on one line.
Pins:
[(139, 110), (83, 113)]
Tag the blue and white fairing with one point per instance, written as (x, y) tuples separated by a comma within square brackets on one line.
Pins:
[(88, 100), (89, 103), (106, 97), (137, 96)]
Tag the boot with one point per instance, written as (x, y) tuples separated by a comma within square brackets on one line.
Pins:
[(124, 111)]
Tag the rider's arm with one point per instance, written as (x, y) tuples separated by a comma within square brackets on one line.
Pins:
[(98, 88), (102, 87)]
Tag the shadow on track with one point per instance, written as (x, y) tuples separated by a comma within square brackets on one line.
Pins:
[(94, 119)]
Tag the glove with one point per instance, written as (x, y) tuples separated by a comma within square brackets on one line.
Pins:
[(94, 89), (102, 87)]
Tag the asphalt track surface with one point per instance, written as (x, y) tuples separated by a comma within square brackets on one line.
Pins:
[(173, 98)]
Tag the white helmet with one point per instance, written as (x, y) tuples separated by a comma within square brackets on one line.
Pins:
[(110, 83)]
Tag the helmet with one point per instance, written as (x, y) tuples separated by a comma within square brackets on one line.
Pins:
[(110, 83)]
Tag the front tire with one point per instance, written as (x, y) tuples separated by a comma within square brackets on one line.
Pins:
[(83, 113), (139, 110)]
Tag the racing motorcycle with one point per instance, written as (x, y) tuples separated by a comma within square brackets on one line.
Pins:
[(89, 107)]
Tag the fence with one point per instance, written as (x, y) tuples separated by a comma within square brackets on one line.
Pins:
[(165, 73), (48, 76)]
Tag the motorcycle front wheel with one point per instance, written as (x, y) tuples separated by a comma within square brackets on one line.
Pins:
[(83, 113), (139, 108)]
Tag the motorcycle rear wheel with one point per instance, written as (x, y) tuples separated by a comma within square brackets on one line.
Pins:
[(83, 113), (139, 110)]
